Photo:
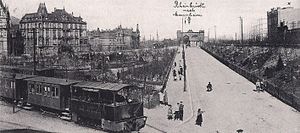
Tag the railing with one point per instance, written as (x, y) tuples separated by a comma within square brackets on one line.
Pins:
[(271, 88)]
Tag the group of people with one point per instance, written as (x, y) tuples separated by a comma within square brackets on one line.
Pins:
[(260, 85), (179, 71), (178, 114)]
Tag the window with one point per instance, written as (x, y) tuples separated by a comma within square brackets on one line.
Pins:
[(12, 85), (31, 87), (52, 92), (45, 91), (39, 89), (56, 92)]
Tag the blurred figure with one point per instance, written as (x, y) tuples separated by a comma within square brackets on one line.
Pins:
[(170, 113), (209, 87), (199, 119), (177, 113), (258, 85), (181, 106), (174, 75)]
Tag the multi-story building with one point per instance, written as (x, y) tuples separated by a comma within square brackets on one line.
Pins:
[(16, 43), (51, 30), (4, 29), (114, 40), (195, 38), (284, 25)]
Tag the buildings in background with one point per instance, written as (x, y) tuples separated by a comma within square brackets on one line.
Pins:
[(4, 29), (16, 41), (284, 25), (114, 40), (195, 38), (259, 30), (52, 30)]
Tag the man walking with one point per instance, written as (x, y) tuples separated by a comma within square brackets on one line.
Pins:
[(181, 106)]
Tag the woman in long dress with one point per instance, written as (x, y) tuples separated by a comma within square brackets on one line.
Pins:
[(199, 119), (170, 112)]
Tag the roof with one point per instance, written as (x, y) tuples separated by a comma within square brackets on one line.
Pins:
[(14, 20), (18, 76), (101, 86), (51, 80), (59, 15)]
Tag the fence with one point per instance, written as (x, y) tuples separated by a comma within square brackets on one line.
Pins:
[(271, 88)]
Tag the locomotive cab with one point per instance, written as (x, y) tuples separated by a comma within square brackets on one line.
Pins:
[(109, 106)]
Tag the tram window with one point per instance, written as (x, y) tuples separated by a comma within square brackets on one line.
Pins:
[(48, 91), (45, 91), (56, 91), (40, 89), (52, 91), (7, 85), (31, 88), (12, 85)]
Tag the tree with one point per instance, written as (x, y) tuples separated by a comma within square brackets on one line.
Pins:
[(280, 64)]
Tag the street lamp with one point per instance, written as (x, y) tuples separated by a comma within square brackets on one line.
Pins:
[(13, 86)]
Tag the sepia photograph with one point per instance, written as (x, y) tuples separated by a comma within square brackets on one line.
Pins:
[(149, 66)]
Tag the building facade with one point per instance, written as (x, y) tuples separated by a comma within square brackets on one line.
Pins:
[(48, 31), (195, 38), (114, 40), (4, 29), (283, 25), (16, 41)]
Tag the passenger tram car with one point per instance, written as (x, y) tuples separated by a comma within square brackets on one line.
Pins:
[(110, 107)]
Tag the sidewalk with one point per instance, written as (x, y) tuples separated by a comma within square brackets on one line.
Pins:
[(157, 118)]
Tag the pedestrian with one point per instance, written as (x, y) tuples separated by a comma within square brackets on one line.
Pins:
[(181, 106), (175, 64), (263, 85), (199, 119), (170, 113), (174, 74), (177, 113), (179, 74), (181, 70), (209, 87), (258, 85), (165, 98), (161, 97)]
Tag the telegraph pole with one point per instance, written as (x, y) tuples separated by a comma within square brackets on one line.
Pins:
[(215, 27), (208, 35), (242, 32)]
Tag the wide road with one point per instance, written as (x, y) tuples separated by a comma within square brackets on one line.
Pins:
[(230, 106)]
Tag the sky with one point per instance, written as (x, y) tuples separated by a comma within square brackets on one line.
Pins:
[(156, 16)]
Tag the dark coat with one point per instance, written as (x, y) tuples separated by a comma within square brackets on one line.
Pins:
[(199, 119)]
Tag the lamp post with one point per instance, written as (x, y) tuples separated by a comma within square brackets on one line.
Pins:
[(184, 69), (13, 86)]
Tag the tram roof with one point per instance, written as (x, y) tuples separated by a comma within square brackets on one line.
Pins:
[(101, 86), (51, 80)]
